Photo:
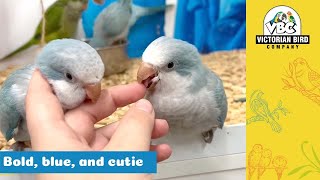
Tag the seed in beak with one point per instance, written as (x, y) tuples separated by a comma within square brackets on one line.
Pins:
[(93, 91)]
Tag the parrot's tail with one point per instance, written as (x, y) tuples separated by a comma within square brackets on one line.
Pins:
[(25, 46)]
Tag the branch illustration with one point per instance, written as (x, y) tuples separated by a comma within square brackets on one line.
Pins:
[(313, 166)]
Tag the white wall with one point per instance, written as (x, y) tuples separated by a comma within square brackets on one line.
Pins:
[(18, 21), (170, 17)]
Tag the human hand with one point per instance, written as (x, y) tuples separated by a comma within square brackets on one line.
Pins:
[(51, 129)]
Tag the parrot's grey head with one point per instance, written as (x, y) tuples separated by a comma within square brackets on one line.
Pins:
[(74, 70), (170, 62)]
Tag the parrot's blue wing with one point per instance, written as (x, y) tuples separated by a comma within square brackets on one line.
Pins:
[(9, 116), (221, 100), (115, 19), (12, 95)]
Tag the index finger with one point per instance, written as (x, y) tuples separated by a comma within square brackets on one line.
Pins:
[(110, 99)]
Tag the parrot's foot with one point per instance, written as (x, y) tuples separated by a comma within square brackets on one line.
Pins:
[(208, 136), (20, 146)]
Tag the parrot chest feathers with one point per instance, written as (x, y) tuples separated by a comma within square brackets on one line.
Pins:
[(184, 110)]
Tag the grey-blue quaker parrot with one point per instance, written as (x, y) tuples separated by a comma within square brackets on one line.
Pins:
[(72, 68), (182, 89), (112, 25)]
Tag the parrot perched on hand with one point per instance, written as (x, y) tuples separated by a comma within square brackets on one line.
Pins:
[(113, 23), (72, 68), (61, 22), (181, 89)]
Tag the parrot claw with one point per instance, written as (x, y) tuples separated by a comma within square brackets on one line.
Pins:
[(19, 146), (208, 136)]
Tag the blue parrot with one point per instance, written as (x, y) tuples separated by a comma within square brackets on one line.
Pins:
[(72, 68), (113, 24), (182, 89)]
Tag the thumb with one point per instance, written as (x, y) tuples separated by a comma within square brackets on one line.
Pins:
[(135, 129), (42, 107)]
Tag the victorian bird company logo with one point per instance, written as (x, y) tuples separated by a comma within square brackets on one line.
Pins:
[(282, 29)]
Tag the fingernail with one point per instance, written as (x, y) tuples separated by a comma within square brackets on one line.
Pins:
[(144, 105)]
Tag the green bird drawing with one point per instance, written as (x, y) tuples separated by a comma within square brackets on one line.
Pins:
[(61, 21), (260, 108)]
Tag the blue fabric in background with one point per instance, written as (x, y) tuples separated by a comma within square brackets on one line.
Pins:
[(146, 29), (212, 25)]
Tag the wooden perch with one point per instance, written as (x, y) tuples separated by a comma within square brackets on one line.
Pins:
[(43, 30)]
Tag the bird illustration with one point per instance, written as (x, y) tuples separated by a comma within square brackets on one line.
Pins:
[(290, 17), (279, 163), (112, 25), (279, 17), (264, 161), (306, 78), (61, 22), (260, 107), (183, 90), (73, 69), (254, 158)]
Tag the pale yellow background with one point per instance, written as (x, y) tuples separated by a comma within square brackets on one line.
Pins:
[(264, 71)]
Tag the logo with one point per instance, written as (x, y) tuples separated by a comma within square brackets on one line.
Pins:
[(282, 29)]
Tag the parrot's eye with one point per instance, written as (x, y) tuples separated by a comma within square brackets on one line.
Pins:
[(69, 76), (170, 65)]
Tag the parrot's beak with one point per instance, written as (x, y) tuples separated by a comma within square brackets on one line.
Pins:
[(93, 91), (147, 75), (99, 1)]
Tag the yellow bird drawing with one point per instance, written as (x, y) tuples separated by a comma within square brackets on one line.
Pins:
[(279, 163), (254, 159), (264, 162), (306, 78)]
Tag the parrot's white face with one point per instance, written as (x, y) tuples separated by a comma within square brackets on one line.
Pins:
[(157, 73), (71, 92), (167, 66)]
